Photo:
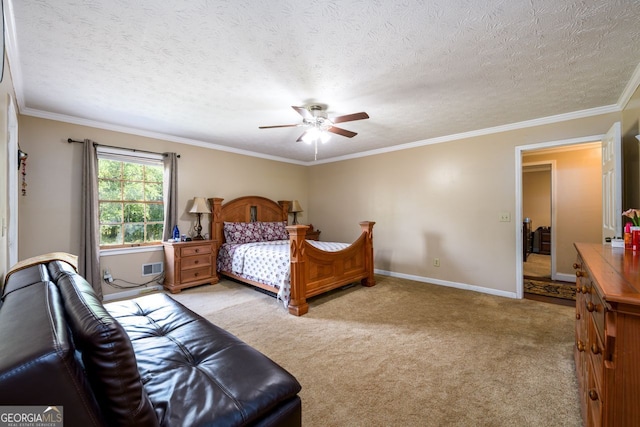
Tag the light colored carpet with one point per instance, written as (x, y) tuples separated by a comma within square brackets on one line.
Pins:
[(404, 353), (537, 265)]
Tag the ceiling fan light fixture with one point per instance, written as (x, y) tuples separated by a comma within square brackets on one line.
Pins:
[(315, 134), (320, 126)]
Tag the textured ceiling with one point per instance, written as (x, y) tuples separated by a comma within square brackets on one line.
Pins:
[(212, 71)]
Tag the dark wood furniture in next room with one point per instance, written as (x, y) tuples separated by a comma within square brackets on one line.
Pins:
[(607, 348)]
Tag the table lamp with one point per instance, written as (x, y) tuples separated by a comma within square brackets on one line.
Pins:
[(199, 207)]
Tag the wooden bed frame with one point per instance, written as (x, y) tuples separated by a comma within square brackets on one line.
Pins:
[(313, 271)]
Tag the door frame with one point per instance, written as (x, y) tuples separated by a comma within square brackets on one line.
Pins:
[(518, 208)]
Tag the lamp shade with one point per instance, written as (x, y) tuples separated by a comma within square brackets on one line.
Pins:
[(295, 206), (200, 205)]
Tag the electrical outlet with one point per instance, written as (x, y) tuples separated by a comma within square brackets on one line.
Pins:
[(107, 276), (436, 262), (505, 216)]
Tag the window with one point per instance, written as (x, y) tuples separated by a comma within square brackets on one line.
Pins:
[(130, 198)]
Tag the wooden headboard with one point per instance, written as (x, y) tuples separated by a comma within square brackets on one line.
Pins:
[(245, 209)]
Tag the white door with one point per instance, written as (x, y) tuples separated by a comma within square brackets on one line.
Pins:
[(612, 183)]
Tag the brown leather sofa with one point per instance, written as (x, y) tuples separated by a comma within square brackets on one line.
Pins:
[(148, 361)]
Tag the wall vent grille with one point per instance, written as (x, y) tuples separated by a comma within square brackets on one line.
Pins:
[(152, 269)]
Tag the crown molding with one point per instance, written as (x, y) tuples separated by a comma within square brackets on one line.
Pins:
[(149, 134), (482, 132), (630, 88)]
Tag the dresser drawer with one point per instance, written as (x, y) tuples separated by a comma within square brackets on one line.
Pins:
[(595, 350), (195, 274), (195, 250), (195, 261), (594, 399), (189, 264), (595, 307)]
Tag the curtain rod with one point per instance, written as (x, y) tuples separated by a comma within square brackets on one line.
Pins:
[(95, 144)]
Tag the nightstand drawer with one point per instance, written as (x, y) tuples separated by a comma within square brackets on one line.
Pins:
[(195, 274), (195, 261), (189, 264), (195, 250)]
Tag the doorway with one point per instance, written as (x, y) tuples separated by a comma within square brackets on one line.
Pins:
[(537, 203), (534, 154)]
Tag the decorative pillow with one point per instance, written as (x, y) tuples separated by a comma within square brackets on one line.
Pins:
[(274, 231), (242, 232)]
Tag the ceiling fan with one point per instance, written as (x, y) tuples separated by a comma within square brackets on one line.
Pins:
[(315, 118)]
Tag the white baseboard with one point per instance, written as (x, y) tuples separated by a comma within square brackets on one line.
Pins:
[(131, 293), (447, 283), (563, 277)]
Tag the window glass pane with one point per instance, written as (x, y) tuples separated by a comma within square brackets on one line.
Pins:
[(133, 191), (110, 190), (109, 169), (133, 212), (154, 232), (111, 234), (131, 200), (133, 172), (110, 213), (155, 212), (133, 233), (154, 174), (153, 192)]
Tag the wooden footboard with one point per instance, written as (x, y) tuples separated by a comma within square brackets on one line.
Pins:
[(314, 271)]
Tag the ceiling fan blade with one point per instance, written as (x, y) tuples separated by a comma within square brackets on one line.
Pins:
[(350, 117), (301, 136), (303, 112), (278, 126), (342, 132)]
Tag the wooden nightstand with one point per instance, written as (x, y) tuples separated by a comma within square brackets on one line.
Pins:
[(189, 264), (312, 234)]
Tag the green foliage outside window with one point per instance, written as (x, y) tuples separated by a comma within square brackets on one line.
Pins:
[(131, 204)]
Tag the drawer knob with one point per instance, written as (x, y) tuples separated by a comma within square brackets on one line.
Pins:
[(196, 261), (576, 266), (578, 273), (577, 316), (580, 345), (593, 395), (584, 289), (197, 250), (590, 307), (595, 349)]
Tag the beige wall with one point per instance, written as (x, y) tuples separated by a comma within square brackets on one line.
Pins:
[(578, 198), (438, 201), (50, 213), (6, 96), (536, 197)]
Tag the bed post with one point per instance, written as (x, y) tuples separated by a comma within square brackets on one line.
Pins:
[(367, 227), (284, 205), (216, 222), (298, 301)]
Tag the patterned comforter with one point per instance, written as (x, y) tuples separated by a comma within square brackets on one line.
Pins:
[(266, 262)]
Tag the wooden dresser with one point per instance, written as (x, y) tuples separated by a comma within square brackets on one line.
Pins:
[(189, 264), (607, 350)]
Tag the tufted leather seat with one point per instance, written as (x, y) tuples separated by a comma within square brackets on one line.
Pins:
[(142, 362)]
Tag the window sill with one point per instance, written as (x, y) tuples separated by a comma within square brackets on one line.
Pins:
[(132, 250)]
